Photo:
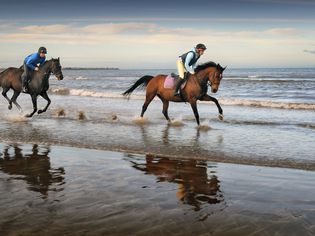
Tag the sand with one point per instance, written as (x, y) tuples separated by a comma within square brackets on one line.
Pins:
[(54, 190)]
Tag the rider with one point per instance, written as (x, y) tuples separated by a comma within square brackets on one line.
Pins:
[(187, 63), (31, 63)]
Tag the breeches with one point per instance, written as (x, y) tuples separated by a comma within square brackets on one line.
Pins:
[(181, 68)]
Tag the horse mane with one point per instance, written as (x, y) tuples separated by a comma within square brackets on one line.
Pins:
[(205, 65)]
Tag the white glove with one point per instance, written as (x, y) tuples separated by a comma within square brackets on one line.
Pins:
[(36, 68)]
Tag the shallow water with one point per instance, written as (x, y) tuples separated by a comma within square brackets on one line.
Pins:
[(53, 190), (258, 136)]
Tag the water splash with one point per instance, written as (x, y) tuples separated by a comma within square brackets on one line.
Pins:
[(140, 120), (177, 122), (60, 112), (204, 126), (81, 115), (16, 118)]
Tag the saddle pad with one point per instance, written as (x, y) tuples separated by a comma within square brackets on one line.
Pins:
[(170, 82)]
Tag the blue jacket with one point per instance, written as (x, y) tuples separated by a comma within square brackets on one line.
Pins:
[(32, 60)]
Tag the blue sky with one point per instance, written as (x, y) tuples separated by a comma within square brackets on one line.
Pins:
[(145, 34)]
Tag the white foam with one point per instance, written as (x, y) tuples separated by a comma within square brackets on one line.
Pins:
[(140, 120), (81, 78), (270, 104), (14, 118), (204, 126), (177, 122), (223, 101)]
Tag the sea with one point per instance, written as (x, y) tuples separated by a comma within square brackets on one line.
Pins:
[(269, 117), (91, 166)]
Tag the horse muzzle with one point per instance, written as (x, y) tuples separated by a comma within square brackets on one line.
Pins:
[(214, 90), (59, 77)]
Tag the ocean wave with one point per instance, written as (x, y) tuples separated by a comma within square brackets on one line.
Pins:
[(89, 93), (81, 78), (270, 79), (223, 101), (268, 104)]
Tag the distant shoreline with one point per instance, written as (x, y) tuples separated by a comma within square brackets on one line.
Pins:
[(91, 68), (82, 68)]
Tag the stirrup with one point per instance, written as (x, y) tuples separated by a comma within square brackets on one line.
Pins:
[(25, 89)]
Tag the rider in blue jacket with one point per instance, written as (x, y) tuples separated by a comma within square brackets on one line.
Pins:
[(31, 62)]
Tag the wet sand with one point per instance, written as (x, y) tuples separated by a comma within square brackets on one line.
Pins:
[(53, 190)]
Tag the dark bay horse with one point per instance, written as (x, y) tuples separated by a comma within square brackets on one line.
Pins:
[(195, 89), (39, 84)]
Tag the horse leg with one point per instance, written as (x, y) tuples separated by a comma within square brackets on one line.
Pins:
[(195, 110), (148, 99), (13, 99), (165, 108), (45, 96), (206, 97), (4, 93), (34, 100)]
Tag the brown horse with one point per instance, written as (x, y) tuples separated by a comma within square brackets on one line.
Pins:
[(11, 79), (196, 89)]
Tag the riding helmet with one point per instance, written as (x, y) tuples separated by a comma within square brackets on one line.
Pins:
[(201, 46), (43, 50)]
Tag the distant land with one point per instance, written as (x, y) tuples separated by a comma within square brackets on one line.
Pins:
[(83, 68), (90, 68)]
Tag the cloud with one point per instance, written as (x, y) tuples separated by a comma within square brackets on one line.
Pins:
[(46, 29), (126, 39), (118, 28), (129, 33), (283, 31), (132, 28), (309, 51)]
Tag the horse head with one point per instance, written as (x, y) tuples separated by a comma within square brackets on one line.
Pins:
[(211, 72), (215, 78), (56, 68)]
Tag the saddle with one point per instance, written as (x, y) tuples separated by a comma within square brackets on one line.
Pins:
[(171, 81)]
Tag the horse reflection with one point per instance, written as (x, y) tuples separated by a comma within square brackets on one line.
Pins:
[(34, 168), (195, 186)]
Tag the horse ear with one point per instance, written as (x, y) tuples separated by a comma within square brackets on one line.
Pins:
[(58, 58), (224, 68)]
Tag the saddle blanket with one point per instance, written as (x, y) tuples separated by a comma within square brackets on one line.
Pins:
[(171, 80)]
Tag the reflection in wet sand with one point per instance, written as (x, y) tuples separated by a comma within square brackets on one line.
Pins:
[(34, 168), (194, 186), (109, 193)]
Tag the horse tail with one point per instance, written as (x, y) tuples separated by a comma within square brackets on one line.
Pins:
[(1, 77), (142, 81)]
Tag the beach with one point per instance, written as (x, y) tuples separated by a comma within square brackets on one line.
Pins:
[(54, 190), (91, 166)]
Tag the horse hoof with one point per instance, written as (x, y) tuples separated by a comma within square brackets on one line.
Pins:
[(10, 107), (221, 117), (28, 115), (40, 111)]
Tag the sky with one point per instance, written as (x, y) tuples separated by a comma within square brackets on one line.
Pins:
[(152, 34)]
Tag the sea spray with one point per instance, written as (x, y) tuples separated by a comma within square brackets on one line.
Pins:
[(140, 120), (204, 126), (81, 115), (60, 112), (114, 117), (15, 118), (177, 122)]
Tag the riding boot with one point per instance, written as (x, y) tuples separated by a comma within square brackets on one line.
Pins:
[(25, 82), (178, 85), (25, 78)]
